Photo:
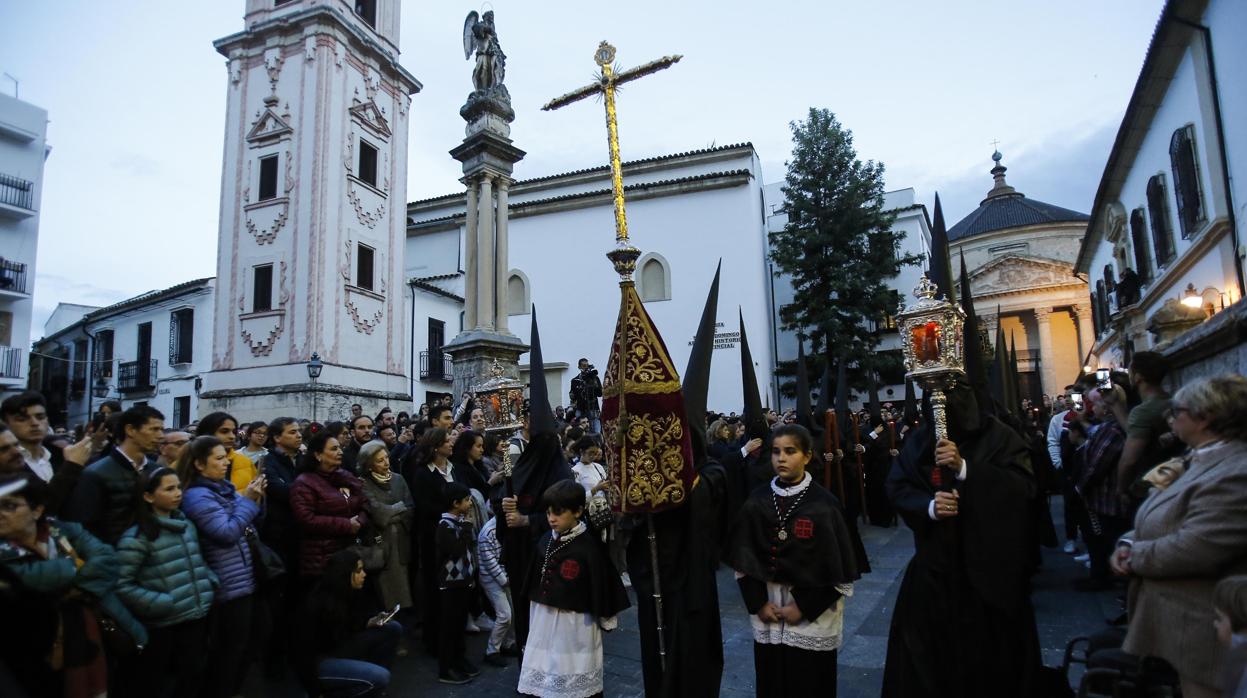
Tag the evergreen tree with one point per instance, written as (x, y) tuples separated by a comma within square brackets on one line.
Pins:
[(838, 247)]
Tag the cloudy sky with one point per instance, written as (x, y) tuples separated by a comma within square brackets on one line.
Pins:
[(136, 100)]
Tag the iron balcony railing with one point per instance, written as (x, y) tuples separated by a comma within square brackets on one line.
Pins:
[(12, 276), (136, 375), (16, 191), (10, 362), (431, 368)]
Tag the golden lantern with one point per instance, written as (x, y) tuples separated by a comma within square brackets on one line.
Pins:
[(932, 341), (501, 401)]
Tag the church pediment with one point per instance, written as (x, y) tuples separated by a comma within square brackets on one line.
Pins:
[(1016, 273), (268, 126), (370, 116)]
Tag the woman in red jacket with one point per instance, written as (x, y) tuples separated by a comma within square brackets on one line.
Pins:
[(328, 504)]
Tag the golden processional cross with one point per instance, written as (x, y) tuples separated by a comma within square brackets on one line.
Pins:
[(624, 255)]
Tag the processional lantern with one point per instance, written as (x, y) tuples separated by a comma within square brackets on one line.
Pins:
[(932, 342), (501, 401)]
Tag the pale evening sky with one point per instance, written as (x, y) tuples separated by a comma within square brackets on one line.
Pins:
[(136, 100)]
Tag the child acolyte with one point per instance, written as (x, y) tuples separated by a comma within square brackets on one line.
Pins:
[(575, 593), (795, 563)]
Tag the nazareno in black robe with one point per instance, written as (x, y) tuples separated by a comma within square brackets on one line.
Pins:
[(689, 539), (816, 555), (963, 624)]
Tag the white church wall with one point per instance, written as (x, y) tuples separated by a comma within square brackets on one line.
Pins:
[(430, 306), (1226, 19), (577, 294)]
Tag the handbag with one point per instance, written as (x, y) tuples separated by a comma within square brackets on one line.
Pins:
[(372, 554), (267, 563)]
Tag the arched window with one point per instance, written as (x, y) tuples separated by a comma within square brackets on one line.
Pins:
[(518, 293), (1158, 216), (1138, 240), (1186, 189), (653, 278)]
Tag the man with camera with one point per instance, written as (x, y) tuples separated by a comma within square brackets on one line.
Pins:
[(586, 389)]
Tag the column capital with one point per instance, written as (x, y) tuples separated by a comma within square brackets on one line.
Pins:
[(1042, 314), (1081, 310)]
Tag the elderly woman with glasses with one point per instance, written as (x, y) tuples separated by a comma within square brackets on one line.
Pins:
[(1189, 535)]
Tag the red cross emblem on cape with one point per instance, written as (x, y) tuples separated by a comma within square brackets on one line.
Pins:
[(803, 528), (569, 570)]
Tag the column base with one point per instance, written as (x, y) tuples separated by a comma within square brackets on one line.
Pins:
[(474, 352)]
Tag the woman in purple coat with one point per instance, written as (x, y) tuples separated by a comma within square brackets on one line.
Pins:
[(328, 504)]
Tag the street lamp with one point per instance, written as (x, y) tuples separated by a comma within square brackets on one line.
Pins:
[(1192, 298), (314, 367), (101, 388)]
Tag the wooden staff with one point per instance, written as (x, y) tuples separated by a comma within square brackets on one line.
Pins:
[(861, 469), (831, 442), (891, 435)]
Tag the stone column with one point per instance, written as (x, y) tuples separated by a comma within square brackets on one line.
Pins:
[(485, 253), (501, 290), (1086, 330), (469, 261), (989, 322), (1046, 360)]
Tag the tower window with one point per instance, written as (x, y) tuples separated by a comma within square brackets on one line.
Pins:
[(367, 163), (364, 267), (262, 289), (268, 177), (367, 11)]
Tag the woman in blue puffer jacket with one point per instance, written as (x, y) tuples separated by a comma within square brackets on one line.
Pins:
[(222, 515), (166, 583)]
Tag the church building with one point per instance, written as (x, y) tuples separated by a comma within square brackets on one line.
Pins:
[(1019, 254)]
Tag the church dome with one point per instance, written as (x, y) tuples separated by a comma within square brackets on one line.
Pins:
[(1006, 207)]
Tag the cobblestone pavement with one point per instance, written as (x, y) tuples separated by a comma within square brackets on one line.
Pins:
[(1062, 615)]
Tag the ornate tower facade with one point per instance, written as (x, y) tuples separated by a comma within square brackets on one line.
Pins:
[(313, 201)]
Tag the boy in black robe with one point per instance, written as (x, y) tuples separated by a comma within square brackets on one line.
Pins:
[(964, 625)]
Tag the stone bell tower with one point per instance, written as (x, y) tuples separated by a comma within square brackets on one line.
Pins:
[(312, 229)]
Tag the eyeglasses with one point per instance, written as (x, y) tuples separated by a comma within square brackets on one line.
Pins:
[(1174, 411)]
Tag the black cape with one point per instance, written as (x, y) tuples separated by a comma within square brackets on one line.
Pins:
[(963, 624), (689, 540), (576, 577), (817, 551)]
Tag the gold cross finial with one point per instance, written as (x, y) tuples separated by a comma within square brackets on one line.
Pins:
[(606, 83)]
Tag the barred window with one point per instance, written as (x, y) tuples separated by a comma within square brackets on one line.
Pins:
[(1158, 216), (1186, 188), (1138, 240), (181, 336)]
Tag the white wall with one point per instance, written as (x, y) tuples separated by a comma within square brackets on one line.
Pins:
[(23, 149)]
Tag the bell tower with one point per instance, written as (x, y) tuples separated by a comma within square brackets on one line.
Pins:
[(313, 202)]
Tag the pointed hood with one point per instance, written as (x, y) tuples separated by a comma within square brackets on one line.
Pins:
[(842, 396), (540, 416), (976, 370), (804, 414), (755, 418), (696, 384), (1015, 379), (1000, 383), (911, 404), (941, 268), (875, 409)]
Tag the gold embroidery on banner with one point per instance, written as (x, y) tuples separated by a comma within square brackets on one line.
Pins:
[(652, 448)]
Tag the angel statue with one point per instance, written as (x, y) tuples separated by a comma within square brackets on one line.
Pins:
[(491, 63)]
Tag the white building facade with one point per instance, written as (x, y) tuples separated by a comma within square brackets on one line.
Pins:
[(311, 242), (23, 150), (685, 212), (1164, 251), (153, 349)]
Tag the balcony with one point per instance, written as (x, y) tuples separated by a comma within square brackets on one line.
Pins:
[(13, 279), (10, 363), (136, 376), (434, 368), (17, 196)]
